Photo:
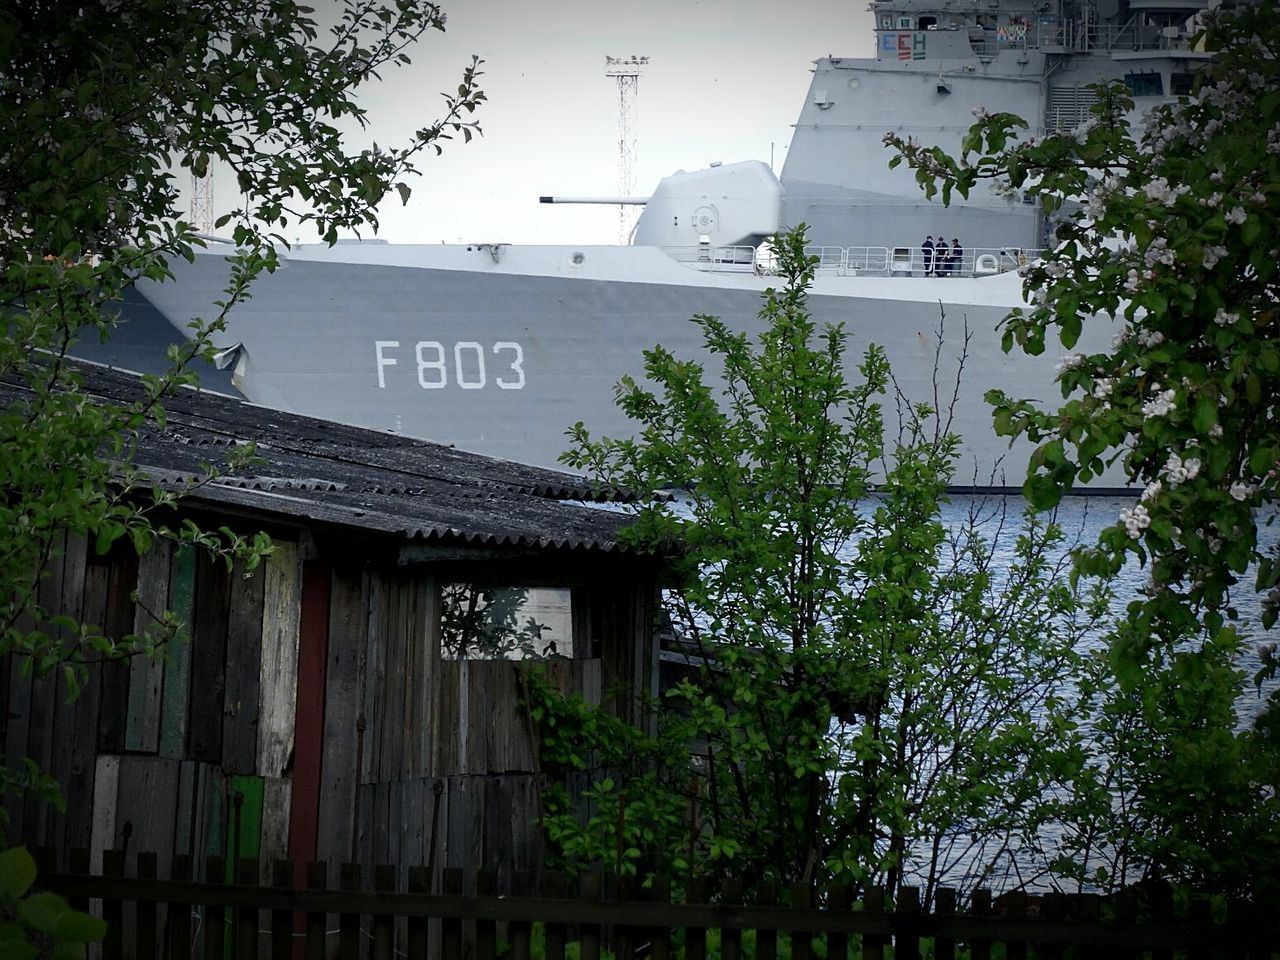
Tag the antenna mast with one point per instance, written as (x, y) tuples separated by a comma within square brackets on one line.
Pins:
[(627, 71), (202, 202)]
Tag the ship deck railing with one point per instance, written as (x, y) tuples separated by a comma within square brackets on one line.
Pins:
[(833, 261), (1053, 35)]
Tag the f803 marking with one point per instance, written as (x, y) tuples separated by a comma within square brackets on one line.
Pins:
[(432, 360)]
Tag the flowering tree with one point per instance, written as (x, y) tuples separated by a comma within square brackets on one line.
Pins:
[(1170, 227)]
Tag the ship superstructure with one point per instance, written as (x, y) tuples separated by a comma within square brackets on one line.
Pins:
[(499, 348)]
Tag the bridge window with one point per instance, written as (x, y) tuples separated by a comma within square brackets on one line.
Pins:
[(1144, 84), (1181, 84)]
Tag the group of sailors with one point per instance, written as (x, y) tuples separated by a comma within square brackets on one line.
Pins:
[(941, 259)]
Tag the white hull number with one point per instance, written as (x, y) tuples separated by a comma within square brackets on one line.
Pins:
[(435, 363)]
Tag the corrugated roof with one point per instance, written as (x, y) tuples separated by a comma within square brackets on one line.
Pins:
[(330, 473)]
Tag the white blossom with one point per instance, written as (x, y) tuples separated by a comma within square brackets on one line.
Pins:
[(1135, 520), (1069, 362), (1176, 470), (1160, 405), (1103, 387), (1153, 490), (1148, 338), (1216, 430), (1242, 490), (1224, 319), (1235, 215), (1212, 254)]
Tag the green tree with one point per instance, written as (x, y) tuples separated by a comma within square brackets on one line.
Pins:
[(1170, 228), (874, 700), (103, 108)]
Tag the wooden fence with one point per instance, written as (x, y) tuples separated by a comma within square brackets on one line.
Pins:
[(295, 914)]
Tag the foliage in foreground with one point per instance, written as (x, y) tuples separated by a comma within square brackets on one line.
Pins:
[(868, 696), (1171, 230), (103, 110)]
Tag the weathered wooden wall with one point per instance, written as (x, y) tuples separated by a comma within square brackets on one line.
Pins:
[(308, 714)]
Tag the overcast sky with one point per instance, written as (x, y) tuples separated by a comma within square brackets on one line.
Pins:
[(725, 82)]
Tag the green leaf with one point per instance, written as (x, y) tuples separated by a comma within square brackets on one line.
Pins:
[(17, 872), (76, 927), (42, 910)]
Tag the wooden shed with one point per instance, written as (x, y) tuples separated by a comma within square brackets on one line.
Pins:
[(356, 697)]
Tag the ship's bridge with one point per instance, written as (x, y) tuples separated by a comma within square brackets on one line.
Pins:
[(927, 30)]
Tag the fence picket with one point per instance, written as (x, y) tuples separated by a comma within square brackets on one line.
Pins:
[(451, 931), (519, 931), (801, 940), (247, 917), (147, 919), (695, 938), (178, 932), (113, 907), (215, 918), (624, 947), (420, 883), (313, 947), (660, 937), (980, 906), (281, 919), (838, 903), (590, 888), (944, 907), (349, 923), (873, 944), (907, 931), (730, 937), (1015, 909), (384, 881), (486, 945), (555, 934)]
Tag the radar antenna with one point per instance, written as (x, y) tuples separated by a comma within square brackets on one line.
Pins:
[(627, 71)]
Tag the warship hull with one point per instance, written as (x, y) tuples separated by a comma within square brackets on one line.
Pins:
[(501, 350)]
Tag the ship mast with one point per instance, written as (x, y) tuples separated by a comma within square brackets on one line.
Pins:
[(627, 71)]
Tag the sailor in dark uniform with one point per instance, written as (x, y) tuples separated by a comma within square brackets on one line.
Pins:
[(927, 249)]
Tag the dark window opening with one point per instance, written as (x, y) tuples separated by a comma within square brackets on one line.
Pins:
[(1181, 84), (486, 622), (928, 23), (1144, 84)]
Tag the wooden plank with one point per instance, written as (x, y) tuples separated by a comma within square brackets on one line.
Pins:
[(374, 668), (148, 795), (185, 835), (209, 659), (146, 674), (66, 703), (444, 760), (174, 712), (427, 629), (245, 796), (78, 787), (243, 663), (478, 706), (118, 621), (308, 750), (390, 729), (282, 600), (277, 817), (106, 790), (343, 714), (37, 815)]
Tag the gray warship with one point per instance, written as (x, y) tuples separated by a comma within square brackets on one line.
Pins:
[(499, 348)]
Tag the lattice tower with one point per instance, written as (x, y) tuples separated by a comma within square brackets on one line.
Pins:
[(627, 71), (202, 202)]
